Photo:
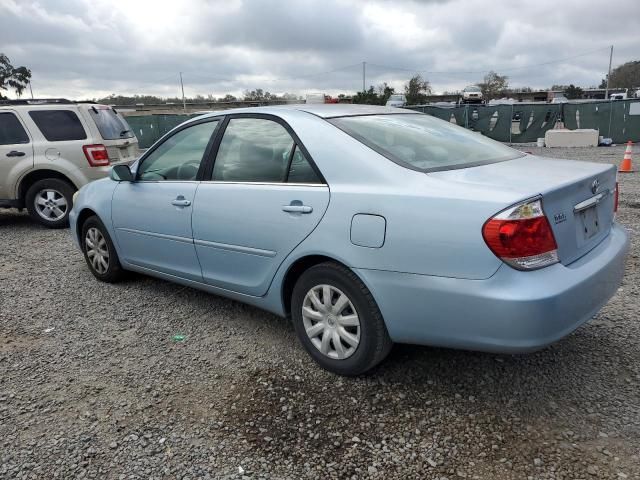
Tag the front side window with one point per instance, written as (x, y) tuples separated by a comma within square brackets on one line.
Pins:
[(111, 125), (253, 150), (11, 131), (423, 142), (179, 156), (58, 125)]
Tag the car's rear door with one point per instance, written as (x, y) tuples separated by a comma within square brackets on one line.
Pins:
[(152, 215), (264, 197)]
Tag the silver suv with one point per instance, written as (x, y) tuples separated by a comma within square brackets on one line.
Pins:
[(51, 148)]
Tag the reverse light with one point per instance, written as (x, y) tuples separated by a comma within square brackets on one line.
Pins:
[(97, 155), (521, 236)]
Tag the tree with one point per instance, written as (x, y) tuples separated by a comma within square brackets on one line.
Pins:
[(228, 98), (12, 77), (370, 97), (494, 85), (572, 92), (626, 75), (416, 90), (384, 92)]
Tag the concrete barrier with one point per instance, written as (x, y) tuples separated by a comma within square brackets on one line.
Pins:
[(571, 138)]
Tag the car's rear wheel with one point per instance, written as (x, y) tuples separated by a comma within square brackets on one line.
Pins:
[(338, 321), (99, 252), (49, 202)]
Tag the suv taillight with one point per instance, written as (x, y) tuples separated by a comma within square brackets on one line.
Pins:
[(616, 198), (521, 236), (97, 155)]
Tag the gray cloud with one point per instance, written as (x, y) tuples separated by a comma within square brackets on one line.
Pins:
[(86, 48)]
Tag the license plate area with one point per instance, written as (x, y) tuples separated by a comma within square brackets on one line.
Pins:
[(588, 224)]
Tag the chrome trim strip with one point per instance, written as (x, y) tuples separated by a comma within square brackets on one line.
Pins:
[(157, 235), (590, 202), (236, 248), (279, 184)]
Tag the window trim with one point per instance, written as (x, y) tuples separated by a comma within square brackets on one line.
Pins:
[(24, 128), (173, 132), (208, 173)]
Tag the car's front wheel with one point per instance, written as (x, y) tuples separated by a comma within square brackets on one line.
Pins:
[(49, 202), (99, 252), (338, 321)]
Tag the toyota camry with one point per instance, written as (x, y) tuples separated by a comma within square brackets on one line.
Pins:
[(365, 226)]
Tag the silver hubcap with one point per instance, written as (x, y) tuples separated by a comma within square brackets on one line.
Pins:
[(51, 205), (331, 322), (97, 250)]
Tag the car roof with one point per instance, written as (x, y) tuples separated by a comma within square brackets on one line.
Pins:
[(322, 110)]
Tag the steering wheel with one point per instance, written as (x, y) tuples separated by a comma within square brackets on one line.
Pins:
[(188, 170)]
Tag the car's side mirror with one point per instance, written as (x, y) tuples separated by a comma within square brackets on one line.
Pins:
[(121, 173)]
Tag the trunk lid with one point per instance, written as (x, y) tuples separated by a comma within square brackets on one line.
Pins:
[(577, 197)]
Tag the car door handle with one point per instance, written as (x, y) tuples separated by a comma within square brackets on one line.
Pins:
[(180, 201), (15, 153), (297, 208)]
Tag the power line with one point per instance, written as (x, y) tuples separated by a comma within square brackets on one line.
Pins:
[(501, 69)]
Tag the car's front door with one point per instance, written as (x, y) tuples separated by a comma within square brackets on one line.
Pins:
[(152, 215), (263, 198), (16, 153)]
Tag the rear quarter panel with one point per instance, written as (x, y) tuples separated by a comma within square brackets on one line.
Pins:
[(433, 227)]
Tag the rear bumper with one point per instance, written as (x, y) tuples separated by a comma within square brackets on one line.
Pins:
[(511, 312)]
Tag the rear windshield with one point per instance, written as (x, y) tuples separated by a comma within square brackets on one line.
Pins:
[(422, 142), (111, 125)]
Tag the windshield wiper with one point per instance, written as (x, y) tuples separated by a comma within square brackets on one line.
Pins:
[(124, 132)]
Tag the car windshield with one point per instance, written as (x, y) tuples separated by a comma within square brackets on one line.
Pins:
[(111, 125), (422, 142), (472, 88), (397, 97)]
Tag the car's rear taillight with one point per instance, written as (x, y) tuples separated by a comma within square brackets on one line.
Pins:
[(521, 236), (97, 155), (616, 196)]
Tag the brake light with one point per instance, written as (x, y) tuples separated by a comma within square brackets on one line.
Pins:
[(521, 236), (616, 195), (97, 155)]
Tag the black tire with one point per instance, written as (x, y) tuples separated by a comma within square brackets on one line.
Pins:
[(374, 344), (113, 272), (60, 189)]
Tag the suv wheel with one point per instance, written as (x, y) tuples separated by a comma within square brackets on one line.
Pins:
[(338, 321), (99, 252), (49, 202)]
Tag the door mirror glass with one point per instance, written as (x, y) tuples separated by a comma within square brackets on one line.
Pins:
[(121, 173)]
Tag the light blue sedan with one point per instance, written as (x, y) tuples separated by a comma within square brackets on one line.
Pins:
[(365, 226)]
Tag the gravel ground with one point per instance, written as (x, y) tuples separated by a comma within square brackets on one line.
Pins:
[(92, 385)]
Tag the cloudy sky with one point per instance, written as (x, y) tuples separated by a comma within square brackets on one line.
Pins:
[(90, 48)]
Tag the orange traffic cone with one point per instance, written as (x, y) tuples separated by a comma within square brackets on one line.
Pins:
[(626, 166)]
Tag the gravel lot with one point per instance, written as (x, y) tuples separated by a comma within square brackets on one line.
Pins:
[(92, 385)]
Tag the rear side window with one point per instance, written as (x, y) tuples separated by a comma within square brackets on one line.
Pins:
[(58, 125), (253, 150), (301, 170), (111, 125), (11, 131)]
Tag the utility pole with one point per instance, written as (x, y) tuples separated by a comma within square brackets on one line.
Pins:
[(606, 92), (364, 66), (30, 89), (184, 105)]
